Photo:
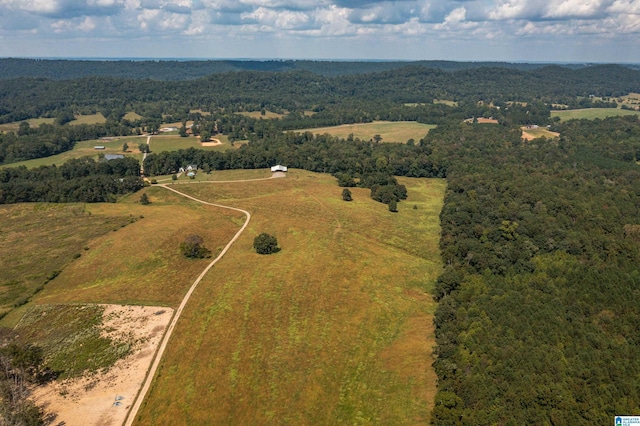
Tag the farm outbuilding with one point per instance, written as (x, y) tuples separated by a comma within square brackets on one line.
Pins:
[(279, 168)]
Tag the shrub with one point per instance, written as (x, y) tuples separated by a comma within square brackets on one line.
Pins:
[(192, 247), (346, 195), (266, 244)]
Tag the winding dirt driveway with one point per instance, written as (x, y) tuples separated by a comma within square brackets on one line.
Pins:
[(176, 316)]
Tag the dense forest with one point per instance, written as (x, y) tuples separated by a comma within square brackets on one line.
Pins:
[(539, 299), (62, 69)]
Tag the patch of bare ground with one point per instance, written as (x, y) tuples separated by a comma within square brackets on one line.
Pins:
[(104, 398), (212, 142)]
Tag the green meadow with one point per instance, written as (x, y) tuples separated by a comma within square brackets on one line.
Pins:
[(591, 113), (334, 328), (391, 131)]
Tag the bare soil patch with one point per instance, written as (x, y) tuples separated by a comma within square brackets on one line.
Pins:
[(213, 142), (104, 398)]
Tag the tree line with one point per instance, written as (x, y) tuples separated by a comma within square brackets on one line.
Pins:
[(78, 180), (538, 305)]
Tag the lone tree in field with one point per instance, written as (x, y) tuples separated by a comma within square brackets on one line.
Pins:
[(125, 147), (192, 247), (346, 195), (266, 244), (144, 199), (393, 206)]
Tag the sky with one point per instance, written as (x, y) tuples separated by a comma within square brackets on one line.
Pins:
[(460, 30)]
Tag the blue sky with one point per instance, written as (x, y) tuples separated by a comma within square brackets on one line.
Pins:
[(475, 30)]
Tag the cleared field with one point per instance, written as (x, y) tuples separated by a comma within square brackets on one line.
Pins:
[(163, 143), (133, 116), (33, 122), (37, 241), (142, 264), (89, 119), (220, 176), (335, 328), (530, 134), (258, 114), (391, 131), (591, 113), (86, 148)]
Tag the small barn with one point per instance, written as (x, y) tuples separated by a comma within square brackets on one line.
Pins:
[(278, 168), (100, 147)]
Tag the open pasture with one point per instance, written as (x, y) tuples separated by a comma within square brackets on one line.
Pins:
[(142, 264), (591, 113), (258, 114), (540, 132), (390, 131), (37, 241), (86, 148), (335, 328), (161, 143), (97, 118)]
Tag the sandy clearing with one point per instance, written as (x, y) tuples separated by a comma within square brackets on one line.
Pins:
[(90, 400), (214, 142)]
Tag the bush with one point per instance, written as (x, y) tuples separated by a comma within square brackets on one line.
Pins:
[(144, 199), (192, 247), (266, 244), (346, 195)]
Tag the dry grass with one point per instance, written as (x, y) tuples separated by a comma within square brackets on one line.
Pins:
[(89, 119), (133, 116), (142, 264), (391, 131), (38, 240), (591, 113), (333, 329), (163, 143), (258, 114), (530, 134), (86, 148)]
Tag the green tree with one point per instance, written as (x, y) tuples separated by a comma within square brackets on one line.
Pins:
[(125, 147), (393, 206), (346, 195), (205, 136), (144, 199), (144, 148), (193, 247), (266, 244)]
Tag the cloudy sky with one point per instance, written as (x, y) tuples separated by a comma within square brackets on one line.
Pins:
[(511, 30)]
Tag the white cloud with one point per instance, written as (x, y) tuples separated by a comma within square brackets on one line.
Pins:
[(335, 21)]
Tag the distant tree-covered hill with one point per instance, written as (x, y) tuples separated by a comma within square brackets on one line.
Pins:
[(66, 69)]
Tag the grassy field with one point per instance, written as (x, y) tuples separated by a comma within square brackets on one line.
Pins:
[(133, 116), (86, 148), (538, 133), (97, 118), (591, 113), (35, 122), (141, 264), (391, 131), (37, 241), (71, 338), (163, 143), (218, 176), (159, 143), (258, 114), (335, 328)]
